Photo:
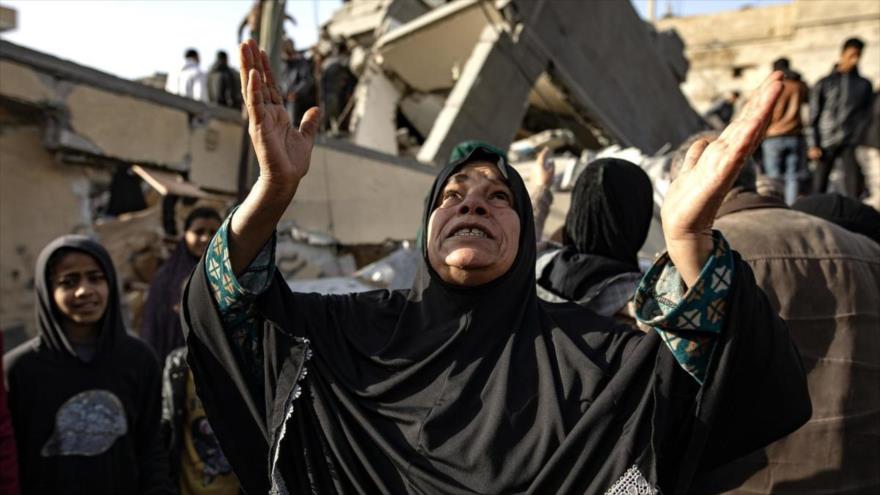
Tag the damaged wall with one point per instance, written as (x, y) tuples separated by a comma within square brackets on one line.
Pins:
[(809, 32), (360, 196), (42, 199), (98, 114), (603, 54)]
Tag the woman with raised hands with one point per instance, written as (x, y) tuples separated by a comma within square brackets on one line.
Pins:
[(468, 382)]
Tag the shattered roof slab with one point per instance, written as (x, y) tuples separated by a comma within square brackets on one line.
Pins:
[(448, 33)]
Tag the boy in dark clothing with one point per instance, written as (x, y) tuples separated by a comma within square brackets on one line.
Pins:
[(84, 395)]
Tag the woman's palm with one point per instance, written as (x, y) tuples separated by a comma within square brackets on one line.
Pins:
[(282, 150)]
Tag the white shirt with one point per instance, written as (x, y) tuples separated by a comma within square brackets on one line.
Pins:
[(190, 82)]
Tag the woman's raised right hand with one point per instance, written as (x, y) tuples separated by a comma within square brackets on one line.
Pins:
[(283, 151)]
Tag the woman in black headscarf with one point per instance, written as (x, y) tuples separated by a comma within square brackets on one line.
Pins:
[(468, 383), (161, 322), (597, 265), (84, 395)]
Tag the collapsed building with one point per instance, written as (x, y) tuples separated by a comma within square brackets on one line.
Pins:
[(85, 151)]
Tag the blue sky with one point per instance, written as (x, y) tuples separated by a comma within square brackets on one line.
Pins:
[(134, 38)]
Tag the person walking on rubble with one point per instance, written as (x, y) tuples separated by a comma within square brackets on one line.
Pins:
[(298, 82), (189, 81), (839, 104), (223, 87), (467, 382)]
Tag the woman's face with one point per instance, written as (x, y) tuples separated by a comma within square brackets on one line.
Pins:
[(199, 234), (79, 288), (473, 232)]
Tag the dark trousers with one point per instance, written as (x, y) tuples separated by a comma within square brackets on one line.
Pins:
[(843, 157)]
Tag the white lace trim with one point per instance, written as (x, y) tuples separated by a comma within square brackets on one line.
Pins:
[(632, 483)]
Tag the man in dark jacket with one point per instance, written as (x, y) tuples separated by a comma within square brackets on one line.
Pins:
[(825, 283), (868, 154), (839, 104), (223, 84)]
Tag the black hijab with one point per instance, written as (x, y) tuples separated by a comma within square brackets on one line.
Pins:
[(440, 388), (606, 225), (161, 322), (52, 337)]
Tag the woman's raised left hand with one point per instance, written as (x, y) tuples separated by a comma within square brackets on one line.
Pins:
[(707, 174)]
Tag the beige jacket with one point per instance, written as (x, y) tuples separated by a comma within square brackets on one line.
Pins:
[(825, 283)]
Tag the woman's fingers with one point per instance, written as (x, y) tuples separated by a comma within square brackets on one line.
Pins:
[(255, 98), (245, 63), (693, 155), (310, 124), (270, 79), (261, 69)]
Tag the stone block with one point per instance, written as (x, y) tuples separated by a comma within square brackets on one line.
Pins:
[(130, 129)]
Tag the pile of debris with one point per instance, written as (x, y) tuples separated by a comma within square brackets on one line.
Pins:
[(432, 74)]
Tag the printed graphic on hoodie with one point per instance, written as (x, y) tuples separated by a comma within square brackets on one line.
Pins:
[(87, 424)]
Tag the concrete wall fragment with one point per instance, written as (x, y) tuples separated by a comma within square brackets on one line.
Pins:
[(490, 98), (606, 60)]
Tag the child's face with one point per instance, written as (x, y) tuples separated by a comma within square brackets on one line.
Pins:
[(79, 288), (199, 234)]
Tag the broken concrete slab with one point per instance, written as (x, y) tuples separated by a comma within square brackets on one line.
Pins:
[(360, 196), (21, 82), (429, 51), (476, 109), (614, 77), (375, 112), (135, 131), (214, 153)]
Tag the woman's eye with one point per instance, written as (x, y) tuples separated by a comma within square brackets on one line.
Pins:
[(502, 196), (451, 195)]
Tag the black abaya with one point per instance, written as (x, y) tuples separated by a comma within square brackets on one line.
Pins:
[(444, 389)]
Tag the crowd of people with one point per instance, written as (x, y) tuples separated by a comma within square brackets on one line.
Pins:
[(842, 131), (308, 78), (519, 361)]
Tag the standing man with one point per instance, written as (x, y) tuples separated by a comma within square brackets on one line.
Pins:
[(189, 82), (298, 82), (868, 154), (838, 104), (223, 83), (784, 145)]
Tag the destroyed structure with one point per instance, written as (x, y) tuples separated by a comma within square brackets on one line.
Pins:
[(84, 151), (808, 32)]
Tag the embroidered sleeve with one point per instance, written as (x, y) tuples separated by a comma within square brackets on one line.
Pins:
[(688, 321), (235, 297)]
